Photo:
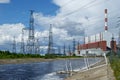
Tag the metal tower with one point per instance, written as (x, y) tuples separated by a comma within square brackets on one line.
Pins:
[(50, 44), (78, 47), (59, 50), (22, 42), (69, 48), (31, 38), (112, 43), (64, 49), (74, 46), (14, 45), (37, 46)]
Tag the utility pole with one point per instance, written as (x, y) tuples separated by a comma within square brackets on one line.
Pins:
[(112, 43), (78, 47), (22, 42), (50, 44), (37, 47), (74, 46), (69, 50), (31, 38), (64, 50), (14, 45), (59, 50)]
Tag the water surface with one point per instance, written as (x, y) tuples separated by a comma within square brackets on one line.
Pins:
[(41, 70)]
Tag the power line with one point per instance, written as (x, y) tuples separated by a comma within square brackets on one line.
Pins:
[(67, 3), (65, 15), (64, 5)]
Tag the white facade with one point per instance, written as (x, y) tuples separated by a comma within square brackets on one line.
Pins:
[(100, 36), (97, 52), (107, 36)]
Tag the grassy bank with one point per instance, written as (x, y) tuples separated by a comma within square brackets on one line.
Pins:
[(8, 55), (13, 58), (115, 64)]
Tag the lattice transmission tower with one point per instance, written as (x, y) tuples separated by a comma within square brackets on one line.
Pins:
[(31, 38), (50, 43), (22, 42), (14, 45)]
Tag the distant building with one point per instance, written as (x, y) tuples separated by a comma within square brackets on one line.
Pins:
[(96, 44)]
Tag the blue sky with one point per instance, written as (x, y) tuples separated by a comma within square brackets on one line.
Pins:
[(18, 10)]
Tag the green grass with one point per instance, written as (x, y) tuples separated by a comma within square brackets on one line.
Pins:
[(8, 55), (115, 64)]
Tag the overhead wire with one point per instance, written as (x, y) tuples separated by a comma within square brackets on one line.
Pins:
[(70, 13), (63, 5), (85, 6), (66, 15)]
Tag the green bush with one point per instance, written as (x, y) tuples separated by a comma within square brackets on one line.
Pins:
[(7, 54), (115, 64), (51, 56)]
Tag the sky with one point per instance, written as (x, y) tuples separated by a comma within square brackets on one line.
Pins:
[(69, 18)]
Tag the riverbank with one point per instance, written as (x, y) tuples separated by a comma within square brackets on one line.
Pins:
[(23, 60), (28, 60), (101, 72)]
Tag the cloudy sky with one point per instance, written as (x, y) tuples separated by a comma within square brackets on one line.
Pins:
[(69, 18)]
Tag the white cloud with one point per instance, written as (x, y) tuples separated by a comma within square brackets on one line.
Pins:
[(75, 16), (4, 1), (8, 31), (72, 18)]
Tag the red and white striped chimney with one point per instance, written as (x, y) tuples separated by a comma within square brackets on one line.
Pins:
[(106, 20)]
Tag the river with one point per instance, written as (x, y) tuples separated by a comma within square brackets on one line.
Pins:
[(41, 70)]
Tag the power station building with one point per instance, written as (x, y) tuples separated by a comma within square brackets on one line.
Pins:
[(96, 44)]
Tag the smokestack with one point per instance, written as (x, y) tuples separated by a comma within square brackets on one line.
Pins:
[(95, 38), (84, 40), (106, 21), (89, 39), (100, 37)]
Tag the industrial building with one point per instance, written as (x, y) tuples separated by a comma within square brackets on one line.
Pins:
[(96, 44)]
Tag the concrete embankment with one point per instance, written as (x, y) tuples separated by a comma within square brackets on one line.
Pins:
[(97, 72)]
